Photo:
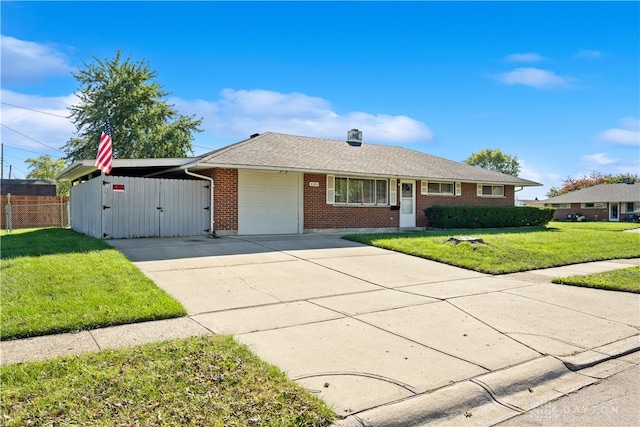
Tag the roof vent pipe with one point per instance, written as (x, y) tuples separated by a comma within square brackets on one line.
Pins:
[(354, 137)]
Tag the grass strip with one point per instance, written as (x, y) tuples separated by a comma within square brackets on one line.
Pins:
[(514, 250), (203, 381), (57, 280), (625, 279)]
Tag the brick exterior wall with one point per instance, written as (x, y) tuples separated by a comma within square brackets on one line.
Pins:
[(469, 197), (225, 199), (319, 215), (592, 214)]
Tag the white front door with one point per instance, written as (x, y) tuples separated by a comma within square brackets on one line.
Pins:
[(614, 212), (407, 204)]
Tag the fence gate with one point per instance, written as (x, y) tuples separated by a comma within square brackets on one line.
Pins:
[(151, 207)]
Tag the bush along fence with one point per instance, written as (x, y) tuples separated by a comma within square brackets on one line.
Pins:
[(33, 211), (487, 216)]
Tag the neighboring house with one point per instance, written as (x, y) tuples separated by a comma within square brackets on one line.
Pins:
[(528, 202), (28, 187), (604, 202), (283, 184)]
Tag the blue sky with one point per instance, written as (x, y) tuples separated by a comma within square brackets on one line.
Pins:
[(554, 83)]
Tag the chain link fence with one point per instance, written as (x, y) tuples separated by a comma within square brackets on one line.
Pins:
[(34, 215)]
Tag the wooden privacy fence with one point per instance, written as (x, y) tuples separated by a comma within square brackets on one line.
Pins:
[(34, 211)]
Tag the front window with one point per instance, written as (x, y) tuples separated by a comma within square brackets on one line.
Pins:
[(444, 188), (593, 205), (361, 191), (491, 190), (341, 190)]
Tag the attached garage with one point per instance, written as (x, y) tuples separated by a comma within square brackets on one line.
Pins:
[(269, 202)]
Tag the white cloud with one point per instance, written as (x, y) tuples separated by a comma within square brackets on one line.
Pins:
[(608, 164), (627, 134), (525, 57), (26, 61), (46, 125), (240, 113), (234, 116), (534, 77), (265, 103), (598, 159), (529, 172), (547, 180), (588, 54)]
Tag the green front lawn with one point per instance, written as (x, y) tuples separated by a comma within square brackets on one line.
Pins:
[(626, 279), (513, 250), (56, 280), (204, 381)]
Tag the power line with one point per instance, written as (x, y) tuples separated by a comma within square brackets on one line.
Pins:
[(62, 117), (18, 159), (29, 151), (37, 111), (201, 146), (35, 140), (40, 153)]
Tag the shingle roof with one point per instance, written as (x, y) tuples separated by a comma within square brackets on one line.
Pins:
[(600, 193), (28, 187), (301, 153)]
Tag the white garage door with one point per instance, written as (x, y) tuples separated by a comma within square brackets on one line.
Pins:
[(269, 202)]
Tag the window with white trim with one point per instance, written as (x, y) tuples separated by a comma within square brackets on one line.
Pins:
[(440, 188), (357, 191), (592, 205), (437, 188), (490, 190), (561, 205)]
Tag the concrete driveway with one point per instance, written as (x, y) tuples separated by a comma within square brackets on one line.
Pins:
[(384, 337)]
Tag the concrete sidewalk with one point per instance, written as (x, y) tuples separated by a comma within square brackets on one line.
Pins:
[(382, 337)]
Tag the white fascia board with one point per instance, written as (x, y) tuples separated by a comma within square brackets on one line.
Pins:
[(204, 165), (84, 167)]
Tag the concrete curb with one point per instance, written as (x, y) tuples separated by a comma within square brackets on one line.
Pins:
[(484, 400), (601, 354)]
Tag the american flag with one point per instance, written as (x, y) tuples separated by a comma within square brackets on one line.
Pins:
[(105, 157)]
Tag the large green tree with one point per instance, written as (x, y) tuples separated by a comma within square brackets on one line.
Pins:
[(143, 124), (495, 160), (44, 167)]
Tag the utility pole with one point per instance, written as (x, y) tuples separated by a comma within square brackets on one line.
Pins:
[(10, 166), (1, 161)]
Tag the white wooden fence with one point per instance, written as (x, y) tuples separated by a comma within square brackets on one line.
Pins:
[(113, 207)]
